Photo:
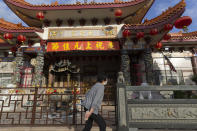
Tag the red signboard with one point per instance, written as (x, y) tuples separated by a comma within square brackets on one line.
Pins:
[(82, 45)]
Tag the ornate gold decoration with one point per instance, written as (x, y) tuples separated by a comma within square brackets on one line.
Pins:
[(33, 62)]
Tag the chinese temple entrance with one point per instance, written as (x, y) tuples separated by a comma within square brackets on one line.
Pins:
[(87, 67)]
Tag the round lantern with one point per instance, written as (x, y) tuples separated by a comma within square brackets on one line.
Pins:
[(167, 37), (21, 38), (126, 33), (183, 22), (140, 35), (8, 36), (118, 13), (154, 31), (40, 15), (158, 45), (168, 27)]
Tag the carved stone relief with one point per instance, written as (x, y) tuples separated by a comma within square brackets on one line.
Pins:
[(18, 64), (163, 112)]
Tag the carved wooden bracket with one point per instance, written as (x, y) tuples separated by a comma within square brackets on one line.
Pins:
[(135, 40), (59, 22), (107, 21), (147, 40), (94, 21), (118, 21), (82, 22), (47, 22), (70, 22)]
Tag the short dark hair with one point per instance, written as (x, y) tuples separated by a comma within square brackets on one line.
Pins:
[(101, 77)]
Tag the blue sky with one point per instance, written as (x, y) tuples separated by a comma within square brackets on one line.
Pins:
[(156, 9)]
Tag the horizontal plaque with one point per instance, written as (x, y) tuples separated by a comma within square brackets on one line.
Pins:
[(82, 45), (81, 33)]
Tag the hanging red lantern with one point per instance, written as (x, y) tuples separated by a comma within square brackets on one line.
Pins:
[(158, 45), (126, 33), (183, 22), (168, 27), (154, 31), (8, 36), (21, 38), (140, 35), (40, 15), (167, 37), (118, 13)]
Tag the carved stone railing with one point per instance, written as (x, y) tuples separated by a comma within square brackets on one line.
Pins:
[(158, 111)]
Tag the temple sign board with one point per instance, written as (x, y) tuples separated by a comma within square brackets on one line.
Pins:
[(81, 33), (82, 45)]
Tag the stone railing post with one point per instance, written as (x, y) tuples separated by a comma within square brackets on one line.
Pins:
[(121, 108)]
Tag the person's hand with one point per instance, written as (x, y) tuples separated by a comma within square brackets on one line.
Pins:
[(87, 115)]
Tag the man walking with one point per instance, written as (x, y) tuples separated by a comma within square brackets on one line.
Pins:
[(92, 103)]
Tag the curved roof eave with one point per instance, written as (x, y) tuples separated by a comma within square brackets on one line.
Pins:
[(73, 6), (19, 30), (191, 36), (154, 23)]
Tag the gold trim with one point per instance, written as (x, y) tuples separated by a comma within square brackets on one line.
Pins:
[(55, 30)]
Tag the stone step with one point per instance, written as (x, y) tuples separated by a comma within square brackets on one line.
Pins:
[(57, 128)]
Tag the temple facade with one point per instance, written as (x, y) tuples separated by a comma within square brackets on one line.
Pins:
[(67, 45), (87, 39)]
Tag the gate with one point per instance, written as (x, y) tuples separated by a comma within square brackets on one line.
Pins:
[(51, 106)]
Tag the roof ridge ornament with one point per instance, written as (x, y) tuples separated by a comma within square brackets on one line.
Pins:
[(55, 3), (116, 1), (2, 19), (19, 25)]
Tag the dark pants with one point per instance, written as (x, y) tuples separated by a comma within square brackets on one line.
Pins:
[(98, 119)]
